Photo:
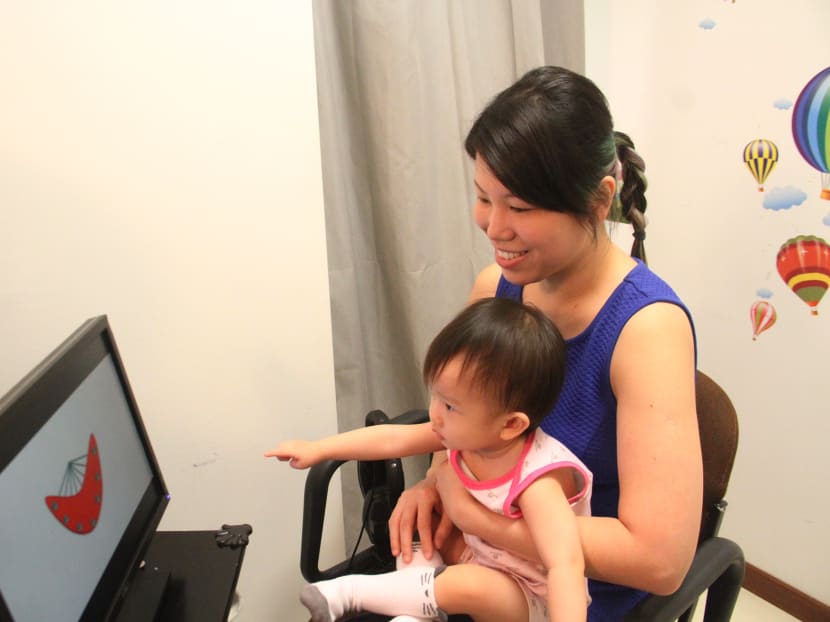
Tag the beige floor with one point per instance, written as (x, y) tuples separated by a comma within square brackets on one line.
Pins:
[(750, 608)]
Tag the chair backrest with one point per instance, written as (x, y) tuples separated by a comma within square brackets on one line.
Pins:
[(718, 422)]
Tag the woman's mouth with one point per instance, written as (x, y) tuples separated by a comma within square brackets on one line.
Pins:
[(509, 254), (507, 259)]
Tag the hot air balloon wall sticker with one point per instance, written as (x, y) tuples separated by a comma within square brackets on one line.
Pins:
[(760, 157), (762, 315), (804, 264), (811, 130)]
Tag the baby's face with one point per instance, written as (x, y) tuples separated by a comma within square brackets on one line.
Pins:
[(462, 416)]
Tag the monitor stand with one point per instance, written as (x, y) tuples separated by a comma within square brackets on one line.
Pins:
[(187, 576), (144, 596)]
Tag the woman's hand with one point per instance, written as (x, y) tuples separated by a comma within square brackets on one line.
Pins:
[(417, 508)]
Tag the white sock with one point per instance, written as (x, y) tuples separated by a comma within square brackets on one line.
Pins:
[(418, 559), (404, 592)]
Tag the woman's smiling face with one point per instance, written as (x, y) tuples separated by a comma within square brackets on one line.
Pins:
[(530, 243)]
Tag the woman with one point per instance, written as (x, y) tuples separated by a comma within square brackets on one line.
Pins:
[(549, 170)]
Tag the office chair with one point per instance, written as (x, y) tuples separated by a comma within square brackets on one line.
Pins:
[(717, 569)]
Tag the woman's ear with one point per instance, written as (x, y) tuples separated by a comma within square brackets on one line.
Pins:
[(605, 197), (514, 425)]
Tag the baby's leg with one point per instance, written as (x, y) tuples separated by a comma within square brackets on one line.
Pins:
[(410, 591), (486, 594)]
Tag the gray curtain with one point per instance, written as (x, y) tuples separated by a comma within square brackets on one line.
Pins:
[(399, 84)]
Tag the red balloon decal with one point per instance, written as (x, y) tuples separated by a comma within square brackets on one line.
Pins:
[(804, 265)]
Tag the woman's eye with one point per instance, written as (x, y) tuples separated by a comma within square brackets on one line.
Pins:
[(520, 210), (483, 200)]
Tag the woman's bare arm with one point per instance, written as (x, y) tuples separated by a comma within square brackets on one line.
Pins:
[(485, 283), (653, 542)]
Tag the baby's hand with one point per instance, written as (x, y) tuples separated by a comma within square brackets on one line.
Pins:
[(299, 454)]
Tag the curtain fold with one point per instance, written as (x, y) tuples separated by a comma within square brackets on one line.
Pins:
[(399, 85)]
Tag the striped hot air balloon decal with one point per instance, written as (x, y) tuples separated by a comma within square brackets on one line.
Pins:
[(760, 157), (811, 129), (804, 264)]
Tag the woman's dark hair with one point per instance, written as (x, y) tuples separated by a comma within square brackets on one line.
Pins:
[(512, 352), (549, 139)]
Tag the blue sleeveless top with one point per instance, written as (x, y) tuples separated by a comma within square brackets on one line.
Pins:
[(585, 416)]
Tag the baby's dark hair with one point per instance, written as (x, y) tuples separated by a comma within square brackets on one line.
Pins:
[(511, 351), (550, 139)]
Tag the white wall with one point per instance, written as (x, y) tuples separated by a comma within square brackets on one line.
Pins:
[(691, 98), (159, 163)]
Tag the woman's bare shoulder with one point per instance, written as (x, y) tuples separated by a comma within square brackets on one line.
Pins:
[(486, 282)]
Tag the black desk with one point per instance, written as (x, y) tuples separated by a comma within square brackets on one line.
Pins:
[(197, 576)]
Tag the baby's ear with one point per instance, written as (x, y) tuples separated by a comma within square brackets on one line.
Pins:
[(515, 424)]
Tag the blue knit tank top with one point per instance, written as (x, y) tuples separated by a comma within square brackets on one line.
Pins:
[(585, 416)]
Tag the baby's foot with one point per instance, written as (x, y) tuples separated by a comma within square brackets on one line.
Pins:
[(324, 601)]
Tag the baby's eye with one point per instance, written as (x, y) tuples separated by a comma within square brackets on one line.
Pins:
[(449, 407)]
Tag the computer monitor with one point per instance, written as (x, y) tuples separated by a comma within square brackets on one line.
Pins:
[(81, 493)]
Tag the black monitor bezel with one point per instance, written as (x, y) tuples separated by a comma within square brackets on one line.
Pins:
[(26, 408)]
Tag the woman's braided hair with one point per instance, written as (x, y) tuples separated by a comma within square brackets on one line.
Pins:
[(631, 195)]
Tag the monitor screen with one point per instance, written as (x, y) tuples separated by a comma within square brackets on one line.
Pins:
[(81, 492)]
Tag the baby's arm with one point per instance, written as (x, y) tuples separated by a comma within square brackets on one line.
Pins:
[(552, 524), (376, 442)]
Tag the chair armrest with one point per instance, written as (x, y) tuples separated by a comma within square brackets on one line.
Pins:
[(719, 567), (314, 510), (314, 514)]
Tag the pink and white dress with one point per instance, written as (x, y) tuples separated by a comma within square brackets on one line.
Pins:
[(541, 454)]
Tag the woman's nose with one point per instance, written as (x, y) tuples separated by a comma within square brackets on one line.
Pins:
[(498, 225)]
